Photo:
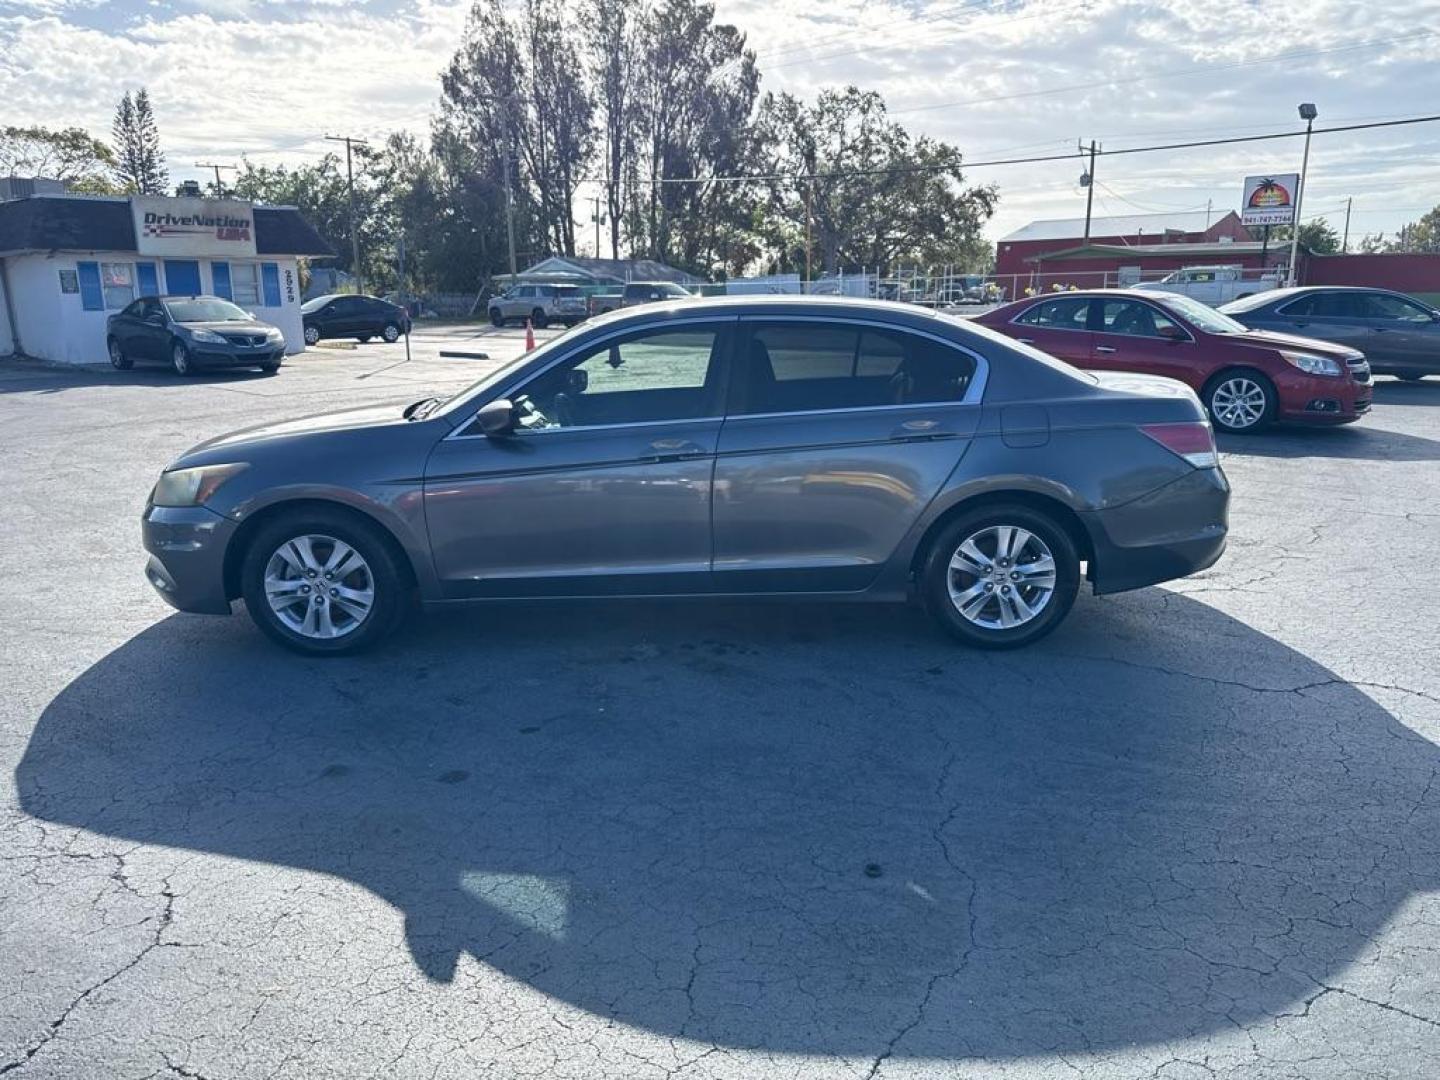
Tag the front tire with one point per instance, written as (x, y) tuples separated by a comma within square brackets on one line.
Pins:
[(538, 320), (312, 335), (1001, 576), (1409, 376), (1241, 401), (391, 333), (496, 319), (180, 359), (118, 360), (323, 582)]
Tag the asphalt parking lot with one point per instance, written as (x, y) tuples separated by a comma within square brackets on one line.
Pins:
[(1194, 833)]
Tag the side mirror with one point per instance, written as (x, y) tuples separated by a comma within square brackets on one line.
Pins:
[(496, 419), (1171, 333)]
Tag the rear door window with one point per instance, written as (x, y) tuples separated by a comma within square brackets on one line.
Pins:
[(1062, 313), (813, 367)]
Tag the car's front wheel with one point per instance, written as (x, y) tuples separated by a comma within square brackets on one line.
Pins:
[(391, 333), (538, 320), (1241, 401), (118, 360), (496, 319), (1001, 576), (312, 335), (323, 582), (180, 359)]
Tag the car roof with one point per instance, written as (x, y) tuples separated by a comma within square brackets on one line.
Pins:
[(774, 304)]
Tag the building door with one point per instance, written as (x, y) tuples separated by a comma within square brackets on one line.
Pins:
[(182, 277)]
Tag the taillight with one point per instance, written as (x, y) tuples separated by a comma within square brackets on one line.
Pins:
[(1192, 441)]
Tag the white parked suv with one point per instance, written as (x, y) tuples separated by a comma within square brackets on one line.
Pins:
[(1213, 285)]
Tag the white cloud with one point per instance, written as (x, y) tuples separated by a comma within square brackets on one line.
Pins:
[(270, 79)]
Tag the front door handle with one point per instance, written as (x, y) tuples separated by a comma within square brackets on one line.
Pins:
[(920, 431), (1378, 330), (676, 450), (1105, 348)]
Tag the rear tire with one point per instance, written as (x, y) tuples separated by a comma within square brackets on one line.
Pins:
[(981, 594), (363, 338), (118, 360), (327, 529), (1240, 401)]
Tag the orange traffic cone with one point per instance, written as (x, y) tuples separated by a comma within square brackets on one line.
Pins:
[(529, 336)]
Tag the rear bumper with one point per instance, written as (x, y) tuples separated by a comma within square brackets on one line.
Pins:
[(187, 556), (1174, 531)]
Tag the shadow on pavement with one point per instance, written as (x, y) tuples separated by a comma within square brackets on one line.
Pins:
[(1398, 392), (1361, 440), (28, 376), (794, 828)]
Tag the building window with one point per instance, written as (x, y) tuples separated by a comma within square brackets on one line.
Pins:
[(118, 282), (245, 284), (92, 297), (270, 281)]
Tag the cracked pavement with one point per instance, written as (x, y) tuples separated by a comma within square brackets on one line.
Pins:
[(1192, 834)]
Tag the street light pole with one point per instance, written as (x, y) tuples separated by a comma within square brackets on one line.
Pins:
[(1308, 113)]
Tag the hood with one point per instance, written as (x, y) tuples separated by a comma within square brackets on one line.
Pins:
[(1268, 339), (250, 326), (227, 447)]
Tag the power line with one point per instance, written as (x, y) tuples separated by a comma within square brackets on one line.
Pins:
[(1184, 73), (908, 169)]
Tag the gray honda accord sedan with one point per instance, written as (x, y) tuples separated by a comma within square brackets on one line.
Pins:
[(755, 446)]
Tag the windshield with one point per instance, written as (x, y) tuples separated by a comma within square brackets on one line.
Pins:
[(1202, 316), (316, 304), (1250, 303), (205, 309)]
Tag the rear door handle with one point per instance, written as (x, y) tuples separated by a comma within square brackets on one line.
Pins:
[(1105, 348), (920, 431)]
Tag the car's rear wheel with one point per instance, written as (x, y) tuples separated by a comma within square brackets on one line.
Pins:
[(1241, 401), (363, 338), (118, 360), (1001, 576), (312, 335), (180, 359), (323, 582), (537, 319), (391, 333)]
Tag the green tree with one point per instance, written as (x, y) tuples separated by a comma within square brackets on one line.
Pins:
[(613, 44), (139, 161), (1316, 236), (69, 154), (1421, 236), (865, 190)]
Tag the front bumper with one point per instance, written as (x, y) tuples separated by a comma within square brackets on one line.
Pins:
[(1177, 530), (187, 556), (213, 356), (1314, 399)]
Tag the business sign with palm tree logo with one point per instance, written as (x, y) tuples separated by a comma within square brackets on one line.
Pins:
[(1270, 200)]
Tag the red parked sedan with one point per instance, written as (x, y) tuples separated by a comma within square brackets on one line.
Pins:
[(1246, 378)]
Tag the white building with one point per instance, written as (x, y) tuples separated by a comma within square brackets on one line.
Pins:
[(68, 262)]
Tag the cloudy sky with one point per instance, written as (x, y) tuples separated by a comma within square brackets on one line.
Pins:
[(1001, 78)]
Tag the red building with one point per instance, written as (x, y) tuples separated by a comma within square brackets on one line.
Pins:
[(1018, 253)]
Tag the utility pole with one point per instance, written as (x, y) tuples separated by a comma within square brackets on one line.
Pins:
[(1308, 113), (350, 198), (595, 217), (1345, 244), (219, 187), (809, 191), (1087, 181)]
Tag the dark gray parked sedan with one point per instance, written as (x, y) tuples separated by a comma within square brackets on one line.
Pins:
[(728, 447), (190, 333), (1398, 335)]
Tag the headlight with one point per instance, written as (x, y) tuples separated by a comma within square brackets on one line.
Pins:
[(274, 335), (207, 335), (1312, 364), (192, 487)]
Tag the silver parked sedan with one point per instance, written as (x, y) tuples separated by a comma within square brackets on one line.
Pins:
[(728, 447)]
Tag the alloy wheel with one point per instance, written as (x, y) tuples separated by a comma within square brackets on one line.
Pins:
[(1238, 403), (180, 359), (312, 335), (391, 333), (1001, 577), (117, 354), (319, 587)]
